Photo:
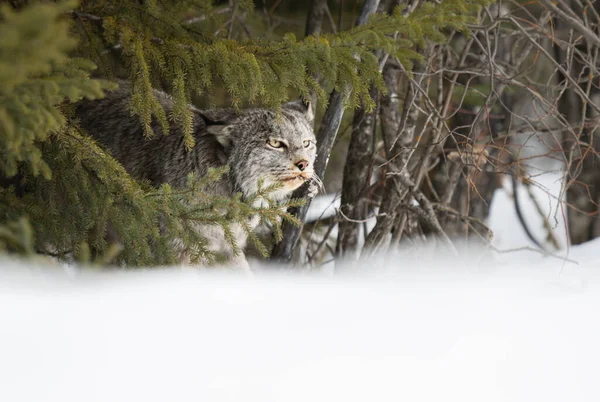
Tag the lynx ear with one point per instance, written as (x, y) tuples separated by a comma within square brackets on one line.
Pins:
[(220, 123), (302, 107), (223, 135)]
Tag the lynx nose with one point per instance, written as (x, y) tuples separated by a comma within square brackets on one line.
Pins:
[(303, 164)]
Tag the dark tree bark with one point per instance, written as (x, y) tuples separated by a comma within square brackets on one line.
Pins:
[(357, 174), (357, 177), (583, 197), (379, 238), (314, 21), (369, 8), (389, 107), (583, 192)]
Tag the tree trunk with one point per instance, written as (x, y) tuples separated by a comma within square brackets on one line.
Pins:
[(379, 238), (583, 193), (357, 174), (357, 177), (314, 21)]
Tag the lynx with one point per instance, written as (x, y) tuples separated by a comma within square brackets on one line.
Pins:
[(255, 144)]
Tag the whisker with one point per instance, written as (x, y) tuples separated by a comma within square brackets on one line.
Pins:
[(319, 182)]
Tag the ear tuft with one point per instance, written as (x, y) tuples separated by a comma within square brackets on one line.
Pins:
[(310, 112)]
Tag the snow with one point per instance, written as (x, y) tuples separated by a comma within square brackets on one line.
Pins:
[(430, 332), (547, 175), (508, 231), (323, 207), (414, 325)]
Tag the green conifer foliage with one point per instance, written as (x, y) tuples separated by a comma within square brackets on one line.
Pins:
[(60, 194), (35, 75)]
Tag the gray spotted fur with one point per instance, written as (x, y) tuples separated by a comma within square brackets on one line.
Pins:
[(222, 138)]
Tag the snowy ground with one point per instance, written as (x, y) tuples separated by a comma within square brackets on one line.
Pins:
[(413, 326), (432, 328), (508, 231), (435, 332)]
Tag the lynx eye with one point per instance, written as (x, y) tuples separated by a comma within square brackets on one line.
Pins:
[(275, 143), (306, 143)]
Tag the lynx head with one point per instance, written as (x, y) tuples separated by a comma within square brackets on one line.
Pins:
[(277, 148)]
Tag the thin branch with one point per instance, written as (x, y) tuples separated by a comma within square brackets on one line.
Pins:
[(573, 22)]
